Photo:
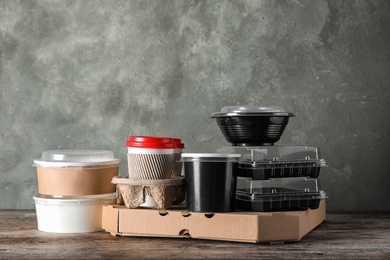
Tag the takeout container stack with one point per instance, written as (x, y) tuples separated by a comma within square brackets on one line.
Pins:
[(154, 179), (270, 177), (73, 186)]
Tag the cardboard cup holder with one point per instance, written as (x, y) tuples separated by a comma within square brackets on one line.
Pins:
[(132, 192)]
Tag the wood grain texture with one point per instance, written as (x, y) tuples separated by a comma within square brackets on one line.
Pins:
[(363, 235)]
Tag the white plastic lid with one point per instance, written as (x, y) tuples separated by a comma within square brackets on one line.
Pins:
[(209, 157), (68, 158), (251, 110)]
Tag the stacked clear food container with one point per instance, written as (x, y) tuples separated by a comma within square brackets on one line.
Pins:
[(270, 177)]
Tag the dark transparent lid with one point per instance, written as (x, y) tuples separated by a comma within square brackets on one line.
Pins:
[(255, 156)]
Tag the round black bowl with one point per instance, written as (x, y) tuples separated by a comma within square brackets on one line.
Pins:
[(248, 128)]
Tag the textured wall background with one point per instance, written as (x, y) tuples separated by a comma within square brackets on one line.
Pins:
[(87, 74)]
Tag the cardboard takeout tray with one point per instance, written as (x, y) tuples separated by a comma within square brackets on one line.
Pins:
[(250, 227)]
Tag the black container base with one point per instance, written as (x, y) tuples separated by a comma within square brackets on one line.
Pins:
[(270, 206)]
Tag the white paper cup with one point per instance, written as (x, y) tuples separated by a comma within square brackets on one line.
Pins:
[(150, 166)]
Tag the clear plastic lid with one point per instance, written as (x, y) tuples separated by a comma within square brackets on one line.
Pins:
[(276, 154), (215, 157), (295, 183), (251, 111), (67, 158), (79, 200)]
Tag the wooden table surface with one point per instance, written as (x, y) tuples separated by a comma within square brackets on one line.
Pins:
[(363, 235)]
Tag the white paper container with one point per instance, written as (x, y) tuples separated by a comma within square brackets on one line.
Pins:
[(71, 214), (76, 172)]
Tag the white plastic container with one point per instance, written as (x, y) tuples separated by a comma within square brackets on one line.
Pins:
[(71, 214)]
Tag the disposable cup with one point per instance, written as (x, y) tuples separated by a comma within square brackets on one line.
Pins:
[(150, 157), (210, 181)]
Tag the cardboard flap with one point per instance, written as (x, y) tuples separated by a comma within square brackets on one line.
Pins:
[(311, 219), (112, 214), (223, 225), (151, 221), (279, 226)]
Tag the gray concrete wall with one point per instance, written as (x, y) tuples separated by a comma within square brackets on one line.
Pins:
[(87, 74)]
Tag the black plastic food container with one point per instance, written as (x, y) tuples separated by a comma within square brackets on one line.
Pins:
[(264, 171), (252, 125), (210, 181), (278, 199), (277, 161), (295, 183)]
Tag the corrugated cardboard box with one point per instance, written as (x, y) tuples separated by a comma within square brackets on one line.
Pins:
[(251, 227)]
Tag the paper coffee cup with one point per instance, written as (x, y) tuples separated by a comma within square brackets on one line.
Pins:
[(150, 157)]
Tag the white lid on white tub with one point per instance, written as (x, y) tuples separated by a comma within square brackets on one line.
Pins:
[(71, 158)]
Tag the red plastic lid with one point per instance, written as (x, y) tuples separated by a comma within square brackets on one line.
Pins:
[(151, 142), (178, 143)]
